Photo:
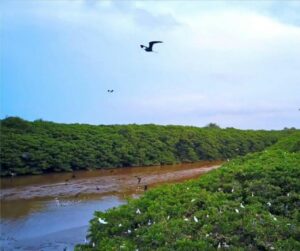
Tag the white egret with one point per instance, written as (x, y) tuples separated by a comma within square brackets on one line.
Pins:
[(101, 221), (195, 219)]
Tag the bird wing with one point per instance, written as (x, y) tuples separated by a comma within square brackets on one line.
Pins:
[(153, 42)]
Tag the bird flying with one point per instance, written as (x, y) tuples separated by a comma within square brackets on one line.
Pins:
[(149, 48), (110, 91)]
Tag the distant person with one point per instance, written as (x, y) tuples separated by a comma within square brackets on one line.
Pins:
[(139, 179)]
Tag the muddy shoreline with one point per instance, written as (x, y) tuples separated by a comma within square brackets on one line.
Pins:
[(51, 212), (102, 182)]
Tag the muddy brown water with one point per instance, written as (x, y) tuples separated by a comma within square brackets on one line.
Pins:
[(52, 211)]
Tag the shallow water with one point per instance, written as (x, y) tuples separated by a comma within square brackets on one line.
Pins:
[(50, 226), (51, 212)]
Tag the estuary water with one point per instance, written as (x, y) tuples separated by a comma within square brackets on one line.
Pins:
[(52, 211)]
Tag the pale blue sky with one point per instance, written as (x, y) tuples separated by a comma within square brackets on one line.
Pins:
[(230, 62)]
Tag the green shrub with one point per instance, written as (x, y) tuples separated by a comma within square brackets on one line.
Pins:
[(250, 203)]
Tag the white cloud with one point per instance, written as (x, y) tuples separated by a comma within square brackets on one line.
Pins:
[(238, 27)]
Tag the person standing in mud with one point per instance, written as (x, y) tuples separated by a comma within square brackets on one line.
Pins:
[(139, 179)]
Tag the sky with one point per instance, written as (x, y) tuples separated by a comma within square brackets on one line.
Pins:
[(234, 63)]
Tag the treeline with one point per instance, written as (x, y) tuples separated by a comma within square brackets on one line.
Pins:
[(40, 146), (250, 203)]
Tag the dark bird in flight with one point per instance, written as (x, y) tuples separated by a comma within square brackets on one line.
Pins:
[(149, 48), (110, 91)]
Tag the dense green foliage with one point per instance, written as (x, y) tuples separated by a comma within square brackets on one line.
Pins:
[(250, 203), (39, 146)]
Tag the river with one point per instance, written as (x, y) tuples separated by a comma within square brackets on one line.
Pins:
[(51, 211)]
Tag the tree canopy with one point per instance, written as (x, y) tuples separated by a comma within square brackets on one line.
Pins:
[(41, 146)]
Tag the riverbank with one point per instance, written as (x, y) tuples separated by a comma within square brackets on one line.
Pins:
[(51, 212), (101, 182)]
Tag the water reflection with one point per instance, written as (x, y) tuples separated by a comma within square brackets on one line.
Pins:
[(51, 226)]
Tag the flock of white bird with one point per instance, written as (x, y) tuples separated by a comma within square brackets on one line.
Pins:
[(220, 245)]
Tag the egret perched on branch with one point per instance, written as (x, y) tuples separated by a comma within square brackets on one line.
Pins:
[(101, 221), (195, 219)]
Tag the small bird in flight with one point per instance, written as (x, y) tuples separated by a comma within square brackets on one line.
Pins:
[(149, 48), (111, 91)]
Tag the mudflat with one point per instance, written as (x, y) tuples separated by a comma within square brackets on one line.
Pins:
[(102, 182)]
